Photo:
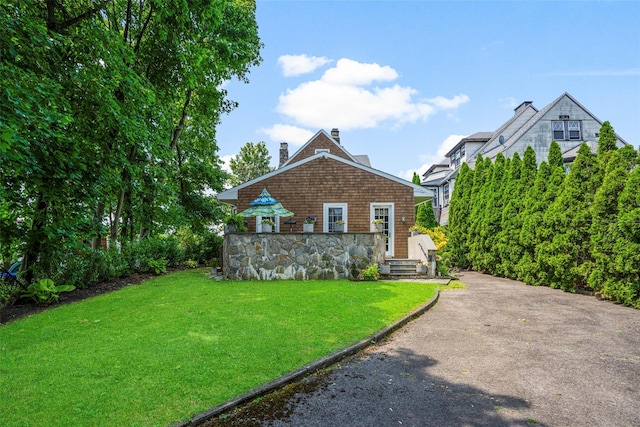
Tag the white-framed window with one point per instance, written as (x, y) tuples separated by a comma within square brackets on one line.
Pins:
[(574, 130), (385, 211), (445, 193), (333, 212), (566, 130), (276, 219), (322, 150), (558, 130)]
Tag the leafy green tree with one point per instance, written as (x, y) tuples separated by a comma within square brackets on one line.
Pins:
[(110, 105), (252, 162)]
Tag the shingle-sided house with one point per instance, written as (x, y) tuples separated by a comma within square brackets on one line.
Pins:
[(323, 180), (564, 120)]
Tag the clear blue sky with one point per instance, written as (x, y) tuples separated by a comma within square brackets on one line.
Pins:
[(404, 80)]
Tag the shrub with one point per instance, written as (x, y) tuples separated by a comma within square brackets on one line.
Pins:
[(191, 263), (45, 292), (158, 266), (371, 273)]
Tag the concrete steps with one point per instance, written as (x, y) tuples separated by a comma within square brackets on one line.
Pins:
[(404, 269)]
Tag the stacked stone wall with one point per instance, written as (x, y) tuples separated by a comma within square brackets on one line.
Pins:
[(300, 256)]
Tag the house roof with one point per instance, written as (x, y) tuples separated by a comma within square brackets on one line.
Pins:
[(443, 164), (338, 146), (491, 150), (570, 155), (476, 137), (420, 193)]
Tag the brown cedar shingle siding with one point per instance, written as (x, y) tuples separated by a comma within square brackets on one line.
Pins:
[(320, 142), (305, 188)]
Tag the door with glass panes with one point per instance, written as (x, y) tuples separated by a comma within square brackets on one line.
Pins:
[(384, 211)]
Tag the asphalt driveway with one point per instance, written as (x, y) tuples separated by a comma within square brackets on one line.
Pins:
[(499, 353)]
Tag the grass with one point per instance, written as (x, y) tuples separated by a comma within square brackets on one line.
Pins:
[(176, 345)]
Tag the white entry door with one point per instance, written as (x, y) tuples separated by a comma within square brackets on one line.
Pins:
[(384, 211)]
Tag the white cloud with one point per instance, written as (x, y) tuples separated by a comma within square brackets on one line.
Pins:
[(447, 104), (287, 133), (225, 162), (295, 65), (429, 159), (350, 72), (343, 97), (508, 102)]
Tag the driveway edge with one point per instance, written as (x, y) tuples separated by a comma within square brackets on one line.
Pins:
[(310, 368)]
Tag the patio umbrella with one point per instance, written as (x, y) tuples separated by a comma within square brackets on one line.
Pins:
[(265, 205)]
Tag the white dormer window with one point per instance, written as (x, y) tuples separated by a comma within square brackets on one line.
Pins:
[(322, 150)]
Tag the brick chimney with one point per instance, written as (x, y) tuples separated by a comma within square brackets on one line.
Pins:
[(335, 134), (284, 153)]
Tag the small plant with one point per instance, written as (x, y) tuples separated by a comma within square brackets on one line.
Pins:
[(45, 292), (237, 221), (371, 273), (378, 221), (268, 222), (339, 222), (191, 263), (310, 220), (422, 262), (158, 266)]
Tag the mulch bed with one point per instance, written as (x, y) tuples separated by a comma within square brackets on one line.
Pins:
[(26, 307)]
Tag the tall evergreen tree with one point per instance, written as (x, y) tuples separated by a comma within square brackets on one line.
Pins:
[(606, 138), (604, 210), (416, 178), (624, 284), (487, 256), (534, 207), (479, 204), (513, 224), (555, 156), (569, 252), (426, 217), (459, 217), (511, 202)]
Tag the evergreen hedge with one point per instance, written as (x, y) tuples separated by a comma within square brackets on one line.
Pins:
[(575, 230)]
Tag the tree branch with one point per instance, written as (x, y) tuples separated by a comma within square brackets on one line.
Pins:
[(51, 24), (178, 130)]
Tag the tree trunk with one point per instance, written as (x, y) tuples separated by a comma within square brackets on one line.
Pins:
[(34, 239), (97, 218)]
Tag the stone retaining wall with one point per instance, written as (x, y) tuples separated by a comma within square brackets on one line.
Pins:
[(300, 256)]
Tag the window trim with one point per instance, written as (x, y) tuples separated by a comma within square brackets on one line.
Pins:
[(325, 215)]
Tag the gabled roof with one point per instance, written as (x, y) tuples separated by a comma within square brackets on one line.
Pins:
[(321, 131), (522, 108), (491, 152), (442, 164), (420, 193), (476, 137)]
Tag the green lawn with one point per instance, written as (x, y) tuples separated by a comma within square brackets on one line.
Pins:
[(174, 346)]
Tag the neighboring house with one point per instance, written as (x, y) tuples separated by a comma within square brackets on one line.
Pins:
[(564, 120), (322, 179)]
